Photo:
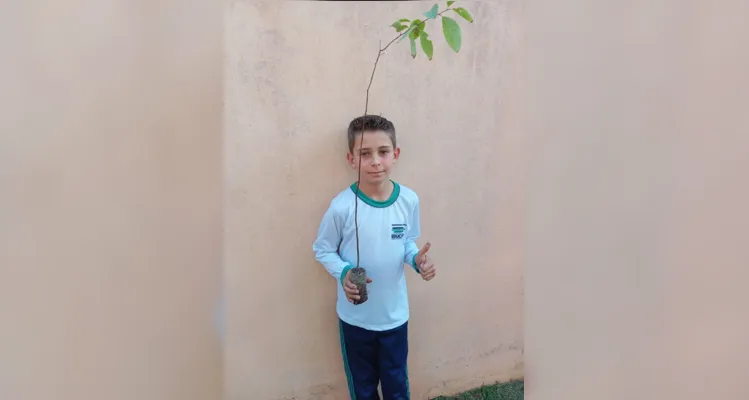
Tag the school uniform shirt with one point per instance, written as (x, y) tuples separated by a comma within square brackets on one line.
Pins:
[(387, 241)]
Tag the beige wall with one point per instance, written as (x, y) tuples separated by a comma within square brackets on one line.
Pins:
[(637, 201), (110, 207), (296, 73), (110, 210)]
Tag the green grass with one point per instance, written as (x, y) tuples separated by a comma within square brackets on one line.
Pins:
[(513, 390)]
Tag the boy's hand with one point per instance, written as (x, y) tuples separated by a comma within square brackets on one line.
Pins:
[(425, 264), (352, 293)]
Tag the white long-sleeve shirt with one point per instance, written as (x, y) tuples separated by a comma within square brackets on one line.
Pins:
[(387, 241)]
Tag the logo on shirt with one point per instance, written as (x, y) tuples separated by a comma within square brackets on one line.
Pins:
[(397, 231)]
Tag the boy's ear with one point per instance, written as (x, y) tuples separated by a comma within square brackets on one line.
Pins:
[(350, 159), (396, 153)]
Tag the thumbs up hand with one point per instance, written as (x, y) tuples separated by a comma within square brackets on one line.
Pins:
[(425, 264)]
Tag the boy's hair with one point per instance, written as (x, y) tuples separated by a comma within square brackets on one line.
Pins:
[(369, 123)]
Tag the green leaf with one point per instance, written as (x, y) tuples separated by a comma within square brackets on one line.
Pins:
[(464, 13), (416, 28), (399, 27), (432, 13), (427, 45), (450, 2), (451, 29), (405, 34), (414, 33), (410, 32), (413, 47)]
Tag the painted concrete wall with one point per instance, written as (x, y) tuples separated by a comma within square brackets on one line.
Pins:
[(636, 251), (110, 207), (295, 74), (110, 212)]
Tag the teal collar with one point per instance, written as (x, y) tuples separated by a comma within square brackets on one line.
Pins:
[(377, 203)]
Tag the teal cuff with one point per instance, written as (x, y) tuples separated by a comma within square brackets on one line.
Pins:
[(413, 263), (344, 272)]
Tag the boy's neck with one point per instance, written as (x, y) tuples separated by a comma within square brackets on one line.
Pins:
[(377, 191)]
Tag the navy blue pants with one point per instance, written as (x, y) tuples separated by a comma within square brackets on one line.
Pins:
[(372, 357)]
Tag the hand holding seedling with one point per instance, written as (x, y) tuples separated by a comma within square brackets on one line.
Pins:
[(425, 264), (352, 292)]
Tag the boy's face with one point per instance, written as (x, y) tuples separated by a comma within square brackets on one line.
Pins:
[(377, 156)]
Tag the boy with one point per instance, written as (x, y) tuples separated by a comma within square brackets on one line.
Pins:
[(374, 334)]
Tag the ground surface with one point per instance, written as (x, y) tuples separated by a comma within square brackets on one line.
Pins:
[(500, 391)]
